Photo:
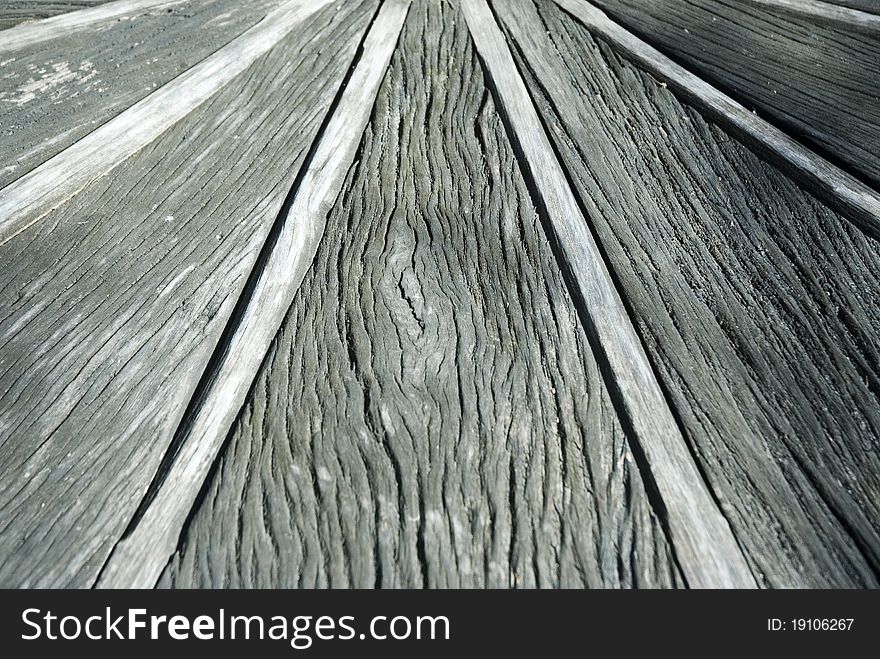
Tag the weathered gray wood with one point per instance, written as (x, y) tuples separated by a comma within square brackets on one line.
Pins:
[(758, 306), (13, 12), (825, 13), (30, 197), (139, 558), (834, 186), (431, 413), (870, 6), (704, 545), (817, 82), (55, 92), (113, 304)]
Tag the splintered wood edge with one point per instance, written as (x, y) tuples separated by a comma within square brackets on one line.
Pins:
[(28, 34), (844, 193), (29, 199), (703, 542), (826, 13), (138, 559)]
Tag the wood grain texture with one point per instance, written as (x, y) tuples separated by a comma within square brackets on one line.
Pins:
[(56, 92), (112, 306), (13, 12), (871, 6), (431, 413), (840, 190), (706, 549), (818, 82), (826, 13), (138, 560), (758, 306)]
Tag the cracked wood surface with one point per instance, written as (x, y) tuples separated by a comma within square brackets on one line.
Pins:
[(758, 306), (139, 558), (706, 549), (431, 413), (818, 82), (36, 108), (13, 12), (841, 191), (53, 93), (113, 303), (826, 13), (439, 407)]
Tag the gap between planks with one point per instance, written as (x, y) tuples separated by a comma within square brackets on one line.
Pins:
[(30, 198), (844, 193), (28, 34), (704, 544), (139, 558)]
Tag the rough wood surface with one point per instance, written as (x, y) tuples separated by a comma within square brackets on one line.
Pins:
[(113, 304), (706, 549), (841, 191), (818, 82), (13, 12), (54, 93), (826, 13), (431, 413), (871, 6), (139, 558), (758, 306)]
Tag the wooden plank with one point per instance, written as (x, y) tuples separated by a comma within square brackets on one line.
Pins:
[(63, 18), (832, 185), (31, 197), (870, 6), (431, 413), (816, 82), (825, 13), (704, 545), (757, 305), (113, 305), (54, 93), (137, 561)]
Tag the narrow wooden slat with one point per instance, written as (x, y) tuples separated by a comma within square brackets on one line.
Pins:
[(756, 304), (29, 198), (703, 542), (111, 308), (818, 83), (431, 413), (869, 6), (54, 93), (28, 34), (138, 559), (13, 12), (826, 13)]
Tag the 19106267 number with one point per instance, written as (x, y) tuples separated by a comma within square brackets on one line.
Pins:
[(810, 624)]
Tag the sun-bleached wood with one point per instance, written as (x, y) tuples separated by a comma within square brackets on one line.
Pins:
[(831, 184), (827, 13), (138, 559), (28, 34), (703, 542), (111, 308), (28, 199)]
